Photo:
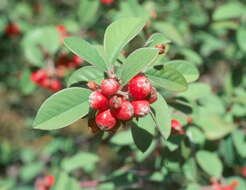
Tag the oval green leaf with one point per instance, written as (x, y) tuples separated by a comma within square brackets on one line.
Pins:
[(186, 68), (62, 109), (88, 73), (137, 61), (210, 163), (85, 50), (162, 117), (118, 34), (168, 78)]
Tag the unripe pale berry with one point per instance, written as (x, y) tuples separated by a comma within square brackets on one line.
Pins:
[(153, 95), (139, 87), (125, 112), (115, 102), (141, 107), (110, 86), (105, 120), (98, 101), (92, 85)]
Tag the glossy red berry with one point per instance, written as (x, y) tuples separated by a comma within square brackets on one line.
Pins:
[(105, 120), (55, 85), (110, 86), (115, 102), (152, 96), (125, 112), (39, 75), (98, 101), (107, 2), (139, 87), (141, 107)]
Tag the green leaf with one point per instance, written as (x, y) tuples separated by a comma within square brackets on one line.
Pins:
[(118, 34), (88, 12), (168, 78), (62, 109), (26, 85), (147, 123), (170, 31), (87, 73), (83, 160), (195, 135), (187, 69), (239, 141), (64, 182), (156, 39), (141, 137), (137, 62), (85, 50), (29, 171), (229, 11), (122, 138), (190, 169), (162, 116), (210, 163), (241, 36)]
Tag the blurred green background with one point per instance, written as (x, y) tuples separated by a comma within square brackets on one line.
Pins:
[(209, 33)]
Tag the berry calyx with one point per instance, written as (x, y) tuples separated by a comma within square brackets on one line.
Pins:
[(141, 107), (110, 86), (92, 85), (115, 102), (105, 120), (139, 87), (125, 112), (98, 101), (162, 48)]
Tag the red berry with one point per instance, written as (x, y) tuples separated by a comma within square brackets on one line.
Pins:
[(243, 171), (125, 112), (107, 2), (110, 86), (45, 83), (141, 107), (177, 128), (98, 101), (139, 87), (153, 95), (105, 120), (39, 75), (77, 60), (55, 85), (115, 102), (12, 30), (49, 180)]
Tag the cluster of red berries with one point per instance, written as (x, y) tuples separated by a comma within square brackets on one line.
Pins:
[(218, 186), (116, 104), (45, 183), (12, 30), (177, 127), (107, 2), (43, 79), (50, 79)]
